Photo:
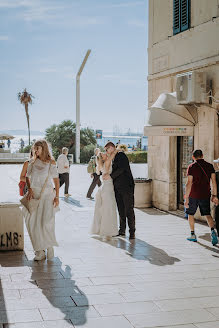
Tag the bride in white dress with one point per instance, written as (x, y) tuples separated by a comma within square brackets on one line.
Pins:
[(105, 214)]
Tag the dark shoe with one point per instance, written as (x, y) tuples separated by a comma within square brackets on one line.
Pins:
[(120, 234), (132, 236)]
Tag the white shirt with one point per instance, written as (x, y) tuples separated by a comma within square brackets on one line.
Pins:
[(62, 161)]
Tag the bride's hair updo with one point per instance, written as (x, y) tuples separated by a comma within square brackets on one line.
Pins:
[(46, 154), (100, 162)]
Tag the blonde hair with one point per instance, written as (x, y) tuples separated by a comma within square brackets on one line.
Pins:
[(46, 155), (122, 147), (100, 162), (31, 152)]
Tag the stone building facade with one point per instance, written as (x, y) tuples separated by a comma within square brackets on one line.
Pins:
[(173, 50)]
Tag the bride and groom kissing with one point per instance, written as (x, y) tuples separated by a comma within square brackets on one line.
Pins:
[(117, 189)]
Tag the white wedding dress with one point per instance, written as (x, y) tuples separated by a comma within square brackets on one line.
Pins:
[(105, 214), (41, 224)]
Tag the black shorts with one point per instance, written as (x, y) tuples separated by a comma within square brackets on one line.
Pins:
[(203, 204)]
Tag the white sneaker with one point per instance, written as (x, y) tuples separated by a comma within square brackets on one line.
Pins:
[(40, 255), (67, 195), (50, 253)]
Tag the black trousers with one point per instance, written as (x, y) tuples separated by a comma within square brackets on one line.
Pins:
[(125, 203), (64, 179), (96, 181)]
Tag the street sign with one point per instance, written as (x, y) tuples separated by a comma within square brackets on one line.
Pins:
[(99, 134)]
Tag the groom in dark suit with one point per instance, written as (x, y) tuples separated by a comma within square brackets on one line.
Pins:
[(124, 189)]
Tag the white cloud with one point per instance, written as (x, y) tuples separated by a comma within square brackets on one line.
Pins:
[(116, 78), (137, 23), (70, 76), (16, 3), (126, 4), (4, 38), (55, 12), (31, 10), (48, 70), (110, 77)]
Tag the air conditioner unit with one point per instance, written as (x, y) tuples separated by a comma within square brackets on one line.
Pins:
[(191, 88)]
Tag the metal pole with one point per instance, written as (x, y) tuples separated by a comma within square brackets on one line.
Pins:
[(77, 148)]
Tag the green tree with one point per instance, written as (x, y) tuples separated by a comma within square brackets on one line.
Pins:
[(87, 137), (25, 99), (63, 135)]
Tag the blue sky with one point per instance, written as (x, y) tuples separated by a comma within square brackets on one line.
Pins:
[(42, 44)]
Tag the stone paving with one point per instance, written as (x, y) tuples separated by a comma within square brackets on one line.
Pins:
[(158, 280)]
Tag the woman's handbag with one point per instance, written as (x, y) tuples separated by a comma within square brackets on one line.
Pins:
[(32, 204)]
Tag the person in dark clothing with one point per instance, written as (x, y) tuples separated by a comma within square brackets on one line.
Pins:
[(124, 189), (92, 171), (9, 143), (198, 193)]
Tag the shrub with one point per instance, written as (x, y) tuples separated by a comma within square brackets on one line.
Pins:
[(25, 149), (137, 157)]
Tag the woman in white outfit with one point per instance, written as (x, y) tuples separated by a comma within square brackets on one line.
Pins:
[(105, 214), (41, 223)]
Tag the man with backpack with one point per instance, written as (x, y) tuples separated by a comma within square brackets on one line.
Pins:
[(91, 169), (199, 194)]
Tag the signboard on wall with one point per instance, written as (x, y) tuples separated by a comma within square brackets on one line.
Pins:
[(99, 134), (170, 131)]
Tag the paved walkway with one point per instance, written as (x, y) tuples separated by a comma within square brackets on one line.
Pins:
[(158, 280)]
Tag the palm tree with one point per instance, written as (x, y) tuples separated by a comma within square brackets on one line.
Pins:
[(25, 99)]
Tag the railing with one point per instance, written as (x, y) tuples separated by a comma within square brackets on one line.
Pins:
[(13, 157)]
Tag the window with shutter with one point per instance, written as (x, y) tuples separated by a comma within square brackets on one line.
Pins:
[(184, 15), (176, 16), (181, 15)]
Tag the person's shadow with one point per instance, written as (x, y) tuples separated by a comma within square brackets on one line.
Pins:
[(207, 237), (63, 294), (140, 250), (47, 287), (71, 201), (3, 318)]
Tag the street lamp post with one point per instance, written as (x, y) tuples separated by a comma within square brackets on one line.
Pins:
[(77, 148)]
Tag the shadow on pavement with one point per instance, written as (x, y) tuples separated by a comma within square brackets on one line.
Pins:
[(207, 237), (63, 294), (153, 211), (7, 294), (71, 201), (3, 315), (140, 250), (42, 285), (212, 249)]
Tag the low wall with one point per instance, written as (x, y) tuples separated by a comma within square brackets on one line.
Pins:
[(11, 227), (13, 158), (143, 193)]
